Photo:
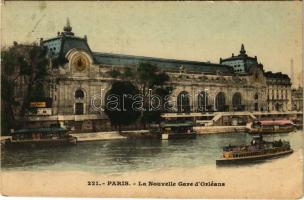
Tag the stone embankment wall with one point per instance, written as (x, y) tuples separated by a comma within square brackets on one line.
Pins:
[(219, 129)]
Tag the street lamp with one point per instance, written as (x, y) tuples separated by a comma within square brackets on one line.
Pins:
[(102, 100), (150, 102), (206, 99)]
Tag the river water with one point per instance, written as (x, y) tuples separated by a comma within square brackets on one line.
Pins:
[(117, 156)]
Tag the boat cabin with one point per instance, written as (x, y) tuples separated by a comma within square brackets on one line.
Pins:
[(177, 130), (177, 127)]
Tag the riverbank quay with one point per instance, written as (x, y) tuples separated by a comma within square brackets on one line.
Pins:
[(202, 130), (146, 134), (142, 134), (86, 137), (111, 135), (97, 136)]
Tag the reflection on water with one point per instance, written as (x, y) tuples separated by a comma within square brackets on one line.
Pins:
[(125, 155)]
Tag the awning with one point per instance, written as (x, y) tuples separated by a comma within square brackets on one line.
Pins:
[(275, 122)]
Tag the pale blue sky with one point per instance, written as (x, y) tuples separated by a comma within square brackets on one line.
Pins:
[(203, 31)]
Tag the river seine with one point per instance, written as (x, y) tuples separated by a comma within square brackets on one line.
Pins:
[(117, 156)]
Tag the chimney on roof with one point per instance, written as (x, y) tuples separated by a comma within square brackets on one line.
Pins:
[(243, 51)]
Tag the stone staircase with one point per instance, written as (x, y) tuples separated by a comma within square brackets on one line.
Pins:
[(219, 115)]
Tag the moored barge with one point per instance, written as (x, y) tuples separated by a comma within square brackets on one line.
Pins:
[(177, 130), (33, 137), (257, 150), (271, 126)]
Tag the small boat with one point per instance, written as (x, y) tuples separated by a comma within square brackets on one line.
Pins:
[(257, 150), (271, 126), (33, 137), (177, 130)]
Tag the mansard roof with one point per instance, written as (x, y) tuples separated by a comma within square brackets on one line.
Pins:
[(277, 78), (66, 40), (277, 75), (241, 56), (163, 63), (60, 45)]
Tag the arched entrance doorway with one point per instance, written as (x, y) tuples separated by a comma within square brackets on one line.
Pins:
[(183, 102), (79, 104), (202, 101), (237, 102), (220, 102)]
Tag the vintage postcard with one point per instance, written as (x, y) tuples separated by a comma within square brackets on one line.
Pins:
[(152, 99)]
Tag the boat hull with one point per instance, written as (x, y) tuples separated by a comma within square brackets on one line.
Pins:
[(254, 131), (182, 136), (248, 159), (40, 143)]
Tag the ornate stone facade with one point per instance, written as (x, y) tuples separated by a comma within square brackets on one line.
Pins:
[(279, 92), (79, 74), (297, 99)]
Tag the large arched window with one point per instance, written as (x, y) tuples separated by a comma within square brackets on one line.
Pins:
[(79, 94), (183, 102), (79, 105), (237, 101), (202, 101), (220, 102), (256, 104)]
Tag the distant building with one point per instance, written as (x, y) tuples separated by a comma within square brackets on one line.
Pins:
[(278, 91), (297, 99)]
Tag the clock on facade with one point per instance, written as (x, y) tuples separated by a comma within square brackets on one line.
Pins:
[(80, 64)]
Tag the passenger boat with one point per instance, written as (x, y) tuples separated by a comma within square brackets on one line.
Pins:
[(177, 130), (272, 126), (257, 150), (33, 137)]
